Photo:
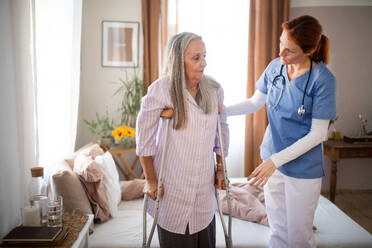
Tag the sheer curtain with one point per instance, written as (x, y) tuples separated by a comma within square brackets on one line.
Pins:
[(17, 102), (33, 110), (223, 25), (57, 42)]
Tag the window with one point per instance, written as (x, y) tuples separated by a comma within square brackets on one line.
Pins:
[(223, 26)]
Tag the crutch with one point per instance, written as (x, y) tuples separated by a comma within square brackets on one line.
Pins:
[(166, 114), (227, 233)]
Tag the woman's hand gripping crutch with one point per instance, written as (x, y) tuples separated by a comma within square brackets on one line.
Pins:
[(166, 114), (228, 238)]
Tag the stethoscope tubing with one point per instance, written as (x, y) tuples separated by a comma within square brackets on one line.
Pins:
[(301, 109)]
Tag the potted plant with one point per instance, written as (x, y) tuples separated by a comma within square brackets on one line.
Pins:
[(132, 91), (101, 128)]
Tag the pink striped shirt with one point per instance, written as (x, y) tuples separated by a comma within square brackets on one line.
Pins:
[(189, 194)]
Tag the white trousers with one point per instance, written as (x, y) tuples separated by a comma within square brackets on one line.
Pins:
[(290, 205)]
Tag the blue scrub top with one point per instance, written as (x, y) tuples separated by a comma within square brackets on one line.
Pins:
[(286, 126)]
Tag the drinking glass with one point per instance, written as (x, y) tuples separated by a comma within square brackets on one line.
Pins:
[(55, 211)]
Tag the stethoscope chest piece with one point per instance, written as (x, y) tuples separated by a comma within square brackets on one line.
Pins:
[(301, 110)]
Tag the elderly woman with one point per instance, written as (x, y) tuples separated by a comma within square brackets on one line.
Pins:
[(188, 203)]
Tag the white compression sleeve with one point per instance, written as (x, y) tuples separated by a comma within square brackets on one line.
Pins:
[(318, 133), (247, 106)]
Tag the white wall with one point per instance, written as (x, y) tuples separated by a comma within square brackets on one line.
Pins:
[(96, 87), (10, 176), (350, 33)]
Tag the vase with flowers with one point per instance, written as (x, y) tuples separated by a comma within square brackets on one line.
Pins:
[(125, 136), (332, 132)]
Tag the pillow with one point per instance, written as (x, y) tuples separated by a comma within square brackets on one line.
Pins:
[(132, 189), (64, 182), (71, 160), (91, 176), (110, 181)]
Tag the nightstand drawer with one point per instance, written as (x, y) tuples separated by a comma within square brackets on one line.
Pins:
[(356, 153)]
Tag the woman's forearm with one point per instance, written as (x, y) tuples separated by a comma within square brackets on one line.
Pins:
[(317, 135), (148, 167), (218, 159)]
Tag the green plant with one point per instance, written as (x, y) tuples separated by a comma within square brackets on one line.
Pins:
[(332, 122), (132, 91), (102, 127)]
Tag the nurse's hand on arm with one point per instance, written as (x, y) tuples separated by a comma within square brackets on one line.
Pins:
[(317, 134), (248, 106), (151, 182)]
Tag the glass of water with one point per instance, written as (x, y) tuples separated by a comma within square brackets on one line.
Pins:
[(55, 211)]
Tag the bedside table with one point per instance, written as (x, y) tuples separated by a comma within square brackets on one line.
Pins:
[(82, 239)]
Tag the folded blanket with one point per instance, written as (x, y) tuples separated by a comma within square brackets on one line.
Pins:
[(247, 203)]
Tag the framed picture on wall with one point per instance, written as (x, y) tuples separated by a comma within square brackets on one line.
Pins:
[(120, 44)]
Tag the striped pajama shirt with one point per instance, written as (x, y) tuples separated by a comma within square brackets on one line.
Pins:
[(189, 194)]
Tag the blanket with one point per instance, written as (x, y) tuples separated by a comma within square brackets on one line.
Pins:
[(247, 203)]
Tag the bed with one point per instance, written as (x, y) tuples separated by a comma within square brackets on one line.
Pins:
[(334, 229)]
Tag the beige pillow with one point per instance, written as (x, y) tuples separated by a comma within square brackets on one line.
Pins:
[(67, 184), (71, 160), (91, 176), (132, 189)]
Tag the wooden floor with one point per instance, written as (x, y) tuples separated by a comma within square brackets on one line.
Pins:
[(357, 204)]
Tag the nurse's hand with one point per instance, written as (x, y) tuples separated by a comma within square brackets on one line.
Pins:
[(262, 173), (151, 187)]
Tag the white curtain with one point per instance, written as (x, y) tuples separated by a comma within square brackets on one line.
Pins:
[(223, 25), (17, 102), (39, 75), (58, 41)]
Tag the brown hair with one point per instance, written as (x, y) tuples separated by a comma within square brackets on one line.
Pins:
[(306, 31)]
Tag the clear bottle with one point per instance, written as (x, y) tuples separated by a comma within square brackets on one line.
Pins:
[(38, 193)]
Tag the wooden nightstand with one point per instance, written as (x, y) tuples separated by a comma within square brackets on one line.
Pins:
[(337, 149)]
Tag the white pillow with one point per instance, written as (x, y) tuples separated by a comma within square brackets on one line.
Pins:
[(110, 181)]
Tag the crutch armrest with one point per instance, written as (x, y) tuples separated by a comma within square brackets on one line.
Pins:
[(167, 113)]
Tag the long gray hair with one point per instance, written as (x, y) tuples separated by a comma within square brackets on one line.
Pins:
[(175, 69)]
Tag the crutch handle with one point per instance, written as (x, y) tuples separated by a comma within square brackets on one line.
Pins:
[(167, 113)]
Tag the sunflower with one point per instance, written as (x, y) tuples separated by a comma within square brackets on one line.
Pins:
[(118, 133), (130, 132)]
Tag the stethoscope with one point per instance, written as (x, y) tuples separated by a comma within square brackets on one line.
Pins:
[(301, 110)]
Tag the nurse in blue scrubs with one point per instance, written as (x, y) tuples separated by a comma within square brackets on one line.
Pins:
[(300, 95)]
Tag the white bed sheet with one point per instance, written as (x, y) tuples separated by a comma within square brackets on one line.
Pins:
[(334, 229)]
